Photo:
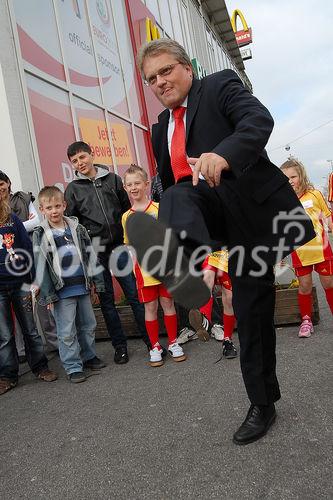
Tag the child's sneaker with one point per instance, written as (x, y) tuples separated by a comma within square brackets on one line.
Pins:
[(185, 335), (155, 357), (217, 332), (229, 351), (306, 328), (176, 352), (200, 323)]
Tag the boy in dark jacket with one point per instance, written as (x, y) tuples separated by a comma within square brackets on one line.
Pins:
[(97, 198)]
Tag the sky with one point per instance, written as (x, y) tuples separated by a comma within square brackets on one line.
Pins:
[(291, 71)]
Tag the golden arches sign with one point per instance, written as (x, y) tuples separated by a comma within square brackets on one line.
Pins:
[(152, 32), (244, 36), (237, 13)]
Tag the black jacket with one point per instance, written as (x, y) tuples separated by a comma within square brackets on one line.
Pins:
[(99, 205), (225, 118)]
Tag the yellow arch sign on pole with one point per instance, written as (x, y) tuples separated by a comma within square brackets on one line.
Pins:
[(152, 32), (244, 36), (237, 13)]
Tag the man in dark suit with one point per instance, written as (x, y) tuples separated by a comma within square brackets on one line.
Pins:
[(220, 187)]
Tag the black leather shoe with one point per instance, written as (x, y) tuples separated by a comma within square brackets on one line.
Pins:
[(164, 263), (258, 421), (121, 355)]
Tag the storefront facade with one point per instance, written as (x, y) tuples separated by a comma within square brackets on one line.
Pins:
[(69, 73)]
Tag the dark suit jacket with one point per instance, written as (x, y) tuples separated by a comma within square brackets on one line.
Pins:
[(225, 118)]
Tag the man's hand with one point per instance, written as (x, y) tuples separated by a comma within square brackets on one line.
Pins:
[(210, 165)]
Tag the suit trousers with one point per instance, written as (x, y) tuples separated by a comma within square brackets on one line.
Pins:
[(201, 212)]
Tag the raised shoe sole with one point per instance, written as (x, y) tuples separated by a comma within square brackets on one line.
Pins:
[(178, 359), (155, 364), (145, 232)]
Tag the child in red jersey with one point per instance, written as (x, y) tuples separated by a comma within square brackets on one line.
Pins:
[(150, 290), (316, 254), (215, 268)]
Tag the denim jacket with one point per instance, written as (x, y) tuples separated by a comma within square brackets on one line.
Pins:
[(47, 263)]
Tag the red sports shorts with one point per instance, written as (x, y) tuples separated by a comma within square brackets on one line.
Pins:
[(324, 268), (153, 292), (221, 277)]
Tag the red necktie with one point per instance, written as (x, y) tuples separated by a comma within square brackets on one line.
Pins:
[(179, 164)]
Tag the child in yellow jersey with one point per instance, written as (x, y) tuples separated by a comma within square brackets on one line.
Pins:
[(316, 254), (150, 290), (215, 268)]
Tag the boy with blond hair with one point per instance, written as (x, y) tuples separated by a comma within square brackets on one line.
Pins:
[(64, 273), (151, 291)]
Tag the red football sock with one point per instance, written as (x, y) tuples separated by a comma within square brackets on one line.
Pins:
[(329, 297), (207, 309), (228, 325), (305, 304), (152, 330), (170, 322)]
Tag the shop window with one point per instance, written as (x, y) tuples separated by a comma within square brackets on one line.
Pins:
[(107, 55), (127, 59), (143, 143), (93, 130), (38, 37), (54, 131), (78, 48), (123, 143)]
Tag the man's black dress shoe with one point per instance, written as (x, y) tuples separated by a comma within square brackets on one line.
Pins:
[(158, 251), (258, 421)]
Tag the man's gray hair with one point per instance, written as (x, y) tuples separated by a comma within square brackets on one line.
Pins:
[(162, 46)]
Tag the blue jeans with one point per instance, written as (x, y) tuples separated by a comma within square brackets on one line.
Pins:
[(76, 323), (21, 302), (111, 316)]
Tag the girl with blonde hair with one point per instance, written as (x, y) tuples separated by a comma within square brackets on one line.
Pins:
[(316, 255)]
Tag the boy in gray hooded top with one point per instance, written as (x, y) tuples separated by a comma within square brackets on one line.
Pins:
[(97, 198), (66, 269)]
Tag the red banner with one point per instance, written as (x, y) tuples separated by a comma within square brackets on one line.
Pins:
[(243, 37)]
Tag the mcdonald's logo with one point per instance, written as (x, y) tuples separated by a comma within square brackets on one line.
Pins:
[(152, 32), (148, 30), (244, 36)]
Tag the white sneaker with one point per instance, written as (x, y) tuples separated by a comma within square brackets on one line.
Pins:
[(176, 352), (155, 357), (217, 332), (185, 335)]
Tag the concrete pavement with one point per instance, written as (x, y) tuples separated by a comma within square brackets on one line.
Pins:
[(133, 432)]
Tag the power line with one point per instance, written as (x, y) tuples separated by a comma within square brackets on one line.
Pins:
[(301, 136)]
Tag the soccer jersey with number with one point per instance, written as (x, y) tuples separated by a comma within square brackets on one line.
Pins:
[(142, 278), (318, 249)]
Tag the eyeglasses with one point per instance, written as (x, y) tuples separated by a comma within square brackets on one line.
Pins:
[(163, 72)]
